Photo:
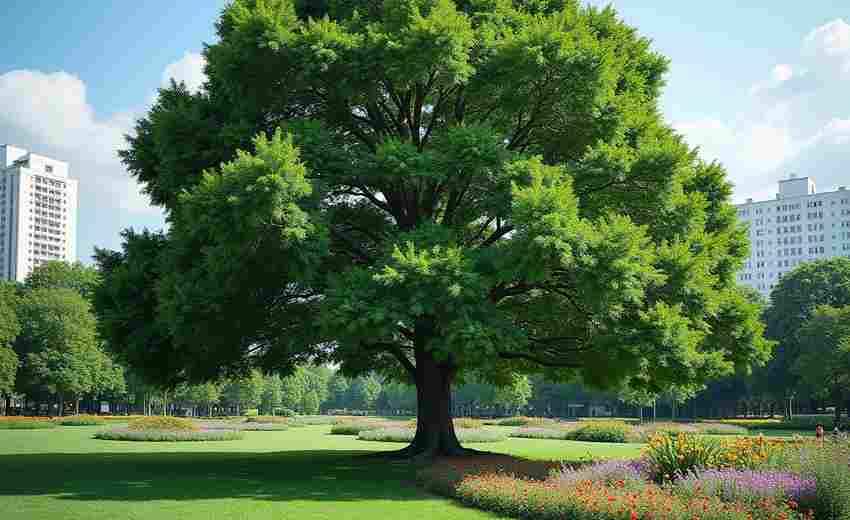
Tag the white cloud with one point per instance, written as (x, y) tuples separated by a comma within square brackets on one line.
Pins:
[(189, 69), (795, 120), (783, 72), (828, 48), (49, 113)]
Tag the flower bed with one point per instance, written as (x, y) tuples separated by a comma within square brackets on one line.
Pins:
[(163, 423), (125, 434), (541, 433), (601, 431), (742, 479), (526, 421), (355, 427), (397, 434)]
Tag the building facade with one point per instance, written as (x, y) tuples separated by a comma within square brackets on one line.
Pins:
[(797, 226), (38, 212)]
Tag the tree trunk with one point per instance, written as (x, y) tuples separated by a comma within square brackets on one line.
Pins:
[(435, 433), (8, 405)]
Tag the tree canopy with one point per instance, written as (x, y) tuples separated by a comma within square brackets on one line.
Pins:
[(824, 361), (438, 190)]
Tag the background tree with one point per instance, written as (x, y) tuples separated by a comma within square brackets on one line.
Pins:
[(470, 187), (824, 361), (9, 329), (56, 274), (363, 392), (272, 394), (338, 392), (310, 404), (793, 301), (244, 392), (57, 344)]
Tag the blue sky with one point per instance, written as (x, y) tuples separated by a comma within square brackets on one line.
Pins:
[(763, 88)]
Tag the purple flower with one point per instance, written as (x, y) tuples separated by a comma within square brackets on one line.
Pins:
[(735, 484), (606, 471)]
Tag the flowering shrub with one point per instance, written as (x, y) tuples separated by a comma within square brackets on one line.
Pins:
[(396, 434), (124, 434), (162, 423), (750, 452), (541, 433), (828, 464), (267, 419), (670, 457), (356, 426), (526, 421), (747, 485), (601, 431), (80, 420), (609, 472), (588, 500)]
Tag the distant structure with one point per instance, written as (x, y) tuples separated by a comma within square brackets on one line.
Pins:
[(798, 226), (38, 212)]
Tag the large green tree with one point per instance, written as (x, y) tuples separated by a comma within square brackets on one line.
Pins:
[(58, 346), (824, 360), (56, 274), (432, 189), (793, 302)]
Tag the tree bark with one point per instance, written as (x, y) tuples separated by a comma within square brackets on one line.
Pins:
[(435, 433)]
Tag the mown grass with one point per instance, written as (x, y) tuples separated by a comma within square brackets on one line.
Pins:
[(303, 473)]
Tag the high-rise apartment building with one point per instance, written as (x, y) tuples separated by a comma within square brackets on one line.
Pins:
[(798, 226), (38, 212)]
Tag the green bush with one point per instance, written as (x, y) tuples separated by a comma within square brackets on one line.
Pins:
[(286, 412), (827, 464), (396, 434), (601, 431), (355, 427), (26, 424), (670, 457), (168, 436), (163, 423), (81, 420), (251, 412)]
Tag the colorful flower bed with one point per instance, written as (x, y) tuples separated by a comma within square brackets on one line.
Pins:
[(396, 434), (681, 477), (26, 423)]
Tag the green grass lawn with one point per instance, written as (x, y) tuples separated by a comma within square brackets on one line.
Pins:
[(302, 473)]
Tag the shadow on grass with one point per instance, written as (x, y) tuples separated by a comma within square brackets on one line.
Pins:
[(291, 475)]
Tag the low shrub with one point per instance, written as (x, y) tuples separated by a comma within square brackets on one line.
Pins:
[(267, 419), (163, 423), (251, 412), (826, 463), (125, 434), (314, 420), (397, 434), (81, 420), (526, 421), (286, 412), (355, 427), (609, 472), (589, 500), (26, 424), (540, 433), (466, 423), (601, 431), (735, 485), (671, 457)]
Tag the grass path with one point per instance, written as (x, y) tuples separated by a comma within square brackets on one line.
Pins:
[(302, 473)]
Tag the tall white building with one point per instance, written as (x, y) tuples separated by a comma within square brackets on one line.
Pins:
[(38, 212), (799, 225)]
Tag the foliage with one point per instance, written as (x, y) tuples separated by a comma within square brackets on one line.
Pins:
[(160, 435), (670, 457), (81, 420), (601, 431), (55, 274), (828, 464), (824, 361), (8, 370), (310, 405), (267, 419), (355, 427), (794, 300), (162, 423), (437, 191), (399, 434), (9, 329), (750, 452)]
